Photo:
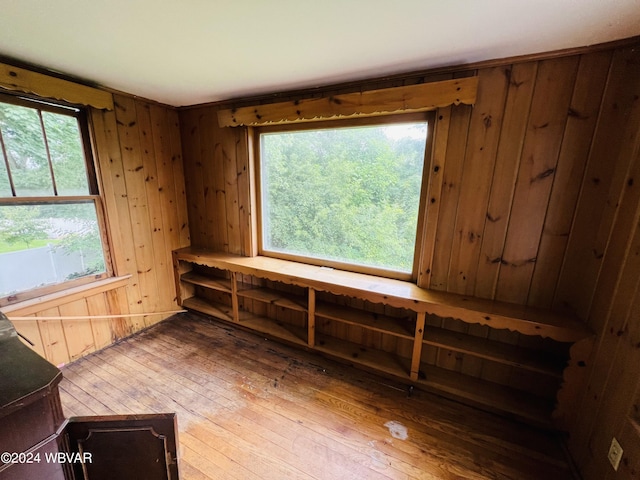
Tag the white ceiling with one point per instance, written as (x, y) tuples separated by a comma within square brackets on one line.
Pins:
[(185, 52)]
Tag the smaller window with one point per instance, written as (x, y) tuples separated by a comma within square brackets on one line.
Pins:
[(50, 211), (345, 194)]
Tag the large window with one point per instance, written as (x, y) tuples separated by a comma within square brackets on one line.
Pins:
[(343, 194), (50, 211)]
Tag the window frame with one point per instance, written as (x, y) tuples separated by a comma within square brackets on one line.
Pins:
[(429, 117), (94, 196)]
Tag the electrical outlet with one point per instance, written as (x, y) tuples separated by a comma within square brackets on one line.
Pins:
[(615, 454)]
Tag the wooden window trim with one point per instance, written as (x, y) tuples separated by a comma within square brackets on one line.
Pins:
[(81, 116), (44, 86), (372, 103), (428, 116)]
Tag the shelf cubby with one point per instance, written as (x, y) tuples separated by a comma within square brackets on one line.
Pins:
[(487, 349), (273, 297), (208, 307), (218, 284), (488, 395), (358, 354), (400, 327)]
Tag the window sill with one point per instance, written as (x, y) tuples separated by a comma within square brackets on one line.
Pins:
[(53, 300)]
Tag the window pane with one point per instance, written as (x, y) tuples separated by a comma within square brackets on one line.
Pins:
[(347, 194), (48, 244), (67, 156), (25, 150)]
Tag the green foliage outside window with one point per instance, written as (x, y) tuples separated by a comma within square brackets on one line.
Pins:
[(43, 159), (27, 155), (348, 194)]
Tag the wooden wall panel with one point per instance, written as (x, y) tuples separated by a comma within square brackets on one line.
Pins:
[(583, 114), (603, 182), (521, 80), (138, 154), (134, 176), (53, 339), (538, 163), (451, 180), (477, 176), (606, 404), (63, 340), (434, 196), (218, 179)]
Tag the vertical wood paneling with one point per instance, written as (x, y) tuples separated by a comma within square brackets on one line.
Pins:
[(53, 337), (617, 319), (629, 436), (116, 304), (31, 330), (434, 195), (601, 188), (549, 110), (135, 173), (156, 237), (218, 169), (614, 386), (477, 175), (177, 172), (583, 113), (78, 333), (452, 175), (521, 82), (229, 151), (114, 192), (101, 327), (166, 186), (194, 186), (212, 164)]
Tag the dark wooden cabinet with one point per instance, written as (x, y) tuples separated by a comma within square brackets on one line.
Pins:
[(37, 441), (123, 446)]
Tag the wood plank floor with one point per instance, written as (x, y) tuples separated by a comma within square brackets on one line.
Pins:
[(251, 408)]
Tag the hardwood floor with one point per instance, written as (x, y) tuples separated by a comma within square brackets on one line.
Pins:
[(251, 408)]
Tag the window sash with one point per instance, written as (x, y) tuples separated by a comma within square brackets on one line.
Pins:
[(52, 288), (429, 117), (41, 106), (93, 197)]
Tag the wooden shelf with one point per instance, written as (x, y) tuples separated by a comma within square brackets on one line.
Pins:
[(397, 293), (358, 354), (218, 284), (274, 297), (487, 349), (489, 395), (208, 307), (273, 328), (372, 321), (406, 334)]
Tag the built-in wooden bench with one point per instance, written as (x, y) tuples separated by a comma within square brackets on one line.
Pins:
[(245, 290)]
